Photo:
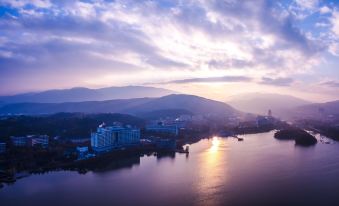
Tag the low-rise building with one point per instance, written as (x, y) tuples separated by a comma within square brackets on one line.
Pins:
[(2, 147), (263, 121), (80, 140), (42, 140), (166, 144), (30, 140), (160, 127), (109, 138), (19, 141), (82, 152)]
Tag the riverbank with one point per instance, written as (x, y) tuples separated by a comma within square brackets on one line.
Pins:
[(51, 161), (252, 172)]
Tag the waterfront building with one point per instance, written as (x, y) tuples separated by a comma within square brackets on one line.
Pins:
[(42, 140), (263, 121), (166, 144), (109, 138), (166, 126), (19, 141), (80, 140), (30, 140), (169, 129), (82, 152), (2, 147)]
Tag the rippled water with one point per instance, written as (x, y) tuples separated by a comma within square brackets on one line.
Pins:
[(219, 171)]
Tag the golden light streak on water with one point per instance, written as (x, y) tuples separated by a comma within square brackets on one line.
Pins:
[(212, 172)]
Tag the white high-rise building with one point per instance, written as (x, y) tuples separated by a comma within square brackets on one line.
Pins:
[(108, 138)]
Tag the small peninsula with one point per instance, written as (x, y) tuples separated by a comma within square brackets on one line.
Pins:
[(300, 136)]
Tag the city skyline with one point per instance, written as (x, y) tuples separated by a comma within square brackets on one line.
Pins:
[(209, 48)]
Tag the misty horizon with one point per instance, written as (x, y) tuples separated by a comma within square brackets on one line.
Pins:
[(225, 98)]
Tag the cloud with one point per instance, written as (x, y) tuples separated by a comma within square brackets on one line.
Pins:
[(22, 3), (334, 84), (334, 49), (230, 63), (112, 38), (325, 10), (335, 23), (322, 24), (277, 81), (63, 40), (212, 80), (166, 34), (307, 4)]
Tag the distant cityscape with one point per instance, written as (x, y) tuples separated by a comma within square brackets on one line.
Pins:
[(163, 134), (83, 142)]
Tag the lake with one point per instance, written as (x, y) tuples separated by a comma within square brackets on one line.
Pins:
[(218, 171)]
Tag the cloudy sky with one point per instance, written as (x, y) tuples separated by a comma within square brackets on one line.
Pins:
[(212, 48)]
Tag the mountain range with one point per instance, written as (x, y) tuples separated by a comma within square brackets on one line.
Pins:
[(137, 106), (153, 102), (81, 94)]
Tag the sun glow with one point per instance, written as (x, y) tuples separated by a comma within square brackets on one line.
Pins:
[(215, 144)]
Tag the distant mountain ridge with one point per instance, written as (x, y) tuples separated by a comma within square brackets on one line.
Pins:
[(81, 94), (315, 111), (175, 102), (260, 103)]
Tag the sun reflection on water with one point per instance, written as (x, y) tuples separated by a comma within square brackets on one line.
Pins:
[(215, 144), (212, 172)]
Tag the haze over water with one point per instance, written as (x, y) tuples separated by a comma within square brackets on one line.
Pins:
[(218, 171)]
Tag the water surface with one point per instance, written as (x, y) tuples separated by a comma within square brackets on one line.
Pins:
[(218, 171)]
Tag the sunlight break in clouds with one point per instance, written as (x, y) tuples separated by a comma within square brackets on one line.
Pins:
[(275, 44)]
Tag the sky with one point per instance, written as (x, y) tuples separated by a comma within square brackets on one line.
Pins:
[(211, 48)]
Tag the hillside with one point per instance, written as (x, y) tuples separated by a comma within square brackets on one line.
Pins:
[(186, 103), (109, 106), (157, 114), (80, 94), (62, 124), (194, 104)]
